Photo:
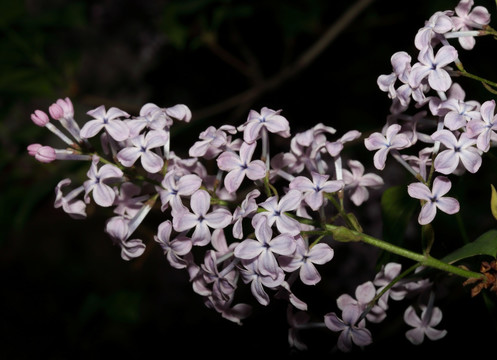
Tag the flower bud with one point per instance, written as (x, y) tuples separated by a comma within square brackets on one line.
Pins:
[(44, 154), (40, 118)]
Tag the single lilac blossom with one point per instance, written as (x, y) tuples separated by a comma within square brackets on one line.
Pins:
[(250, 273), (364, 295), (103, 194), (118, 229), (142, 146), (357, 182), (457, 113), (275, 213), (392, 139), (174, 249), (304, 259), (201, 219), (108, 120), (74, 207), (350, 332), (433, 199), (484, 129), (313, 190), (175, 186), (468, 18), (239, 166), (432, 67), (265, 247), (269, 119), (246, 208), (424, 325), (460, 150), (439, 23)]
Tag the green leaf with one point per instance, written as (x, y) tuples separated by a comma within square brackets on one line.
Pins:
[(486, 244), (493, 202)]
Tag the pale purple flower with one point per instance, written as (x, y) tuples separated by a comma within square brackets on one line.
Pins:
[(265, 247), (223, 282), (212, 142), (174, 249), (401, 66), (357, 183), (127, 202), (118, 229), (269, 119), (383, 278), (275, 213), (439, 23), (457, 112), (392, 139), (296, 320), (250, 273), (433, 67), (350, 333), (424, 325), (335, 147), (175, 186), (484, 129), (246, 208), (103, 194), (457, 151), (419, 163), (364, 294), (201, 219), (108, 120), (304, 259), (468, 19), (142, 147), (433, 199), (313, 190), (76, 208), (239, 166)]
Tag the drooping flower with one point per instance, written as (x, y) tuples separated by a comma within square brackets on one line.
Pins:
[(250, 273), (246, 208), (175, 186), (76, 208), (174, 249), (433, 199)]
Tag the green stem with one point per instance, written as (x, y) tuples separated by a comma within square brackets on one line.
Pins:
[(345, 234)]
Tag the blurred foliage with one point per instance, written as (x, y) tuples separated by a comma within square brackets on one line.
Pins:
[(199, 52)]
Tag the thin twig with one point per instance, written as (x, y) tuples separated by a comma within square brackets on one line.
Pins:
[(302, 62)]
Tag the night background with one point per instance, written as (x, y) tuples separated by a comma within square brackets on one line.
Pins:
[(65, 291)]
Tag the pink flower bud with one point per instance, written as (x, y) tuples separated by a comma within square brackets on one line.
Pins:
[(44, 154), (33, 149), (62, 108), (40, 118), (56, 111)]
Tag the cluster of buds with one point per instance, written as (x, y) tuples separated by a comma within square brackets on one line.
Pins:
[(268, 222)]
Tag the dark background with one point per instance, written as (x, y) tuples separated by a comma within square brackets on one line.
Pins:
[(65, 291)]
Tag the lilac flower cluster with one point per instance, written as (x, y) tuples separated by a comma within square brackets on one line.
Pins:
[(261, 221), (448, 134)]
